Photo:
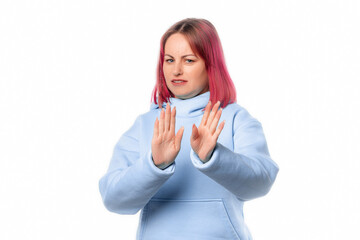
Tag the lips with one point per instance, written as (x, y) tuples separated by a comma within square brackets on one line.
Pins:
[(178, 80)]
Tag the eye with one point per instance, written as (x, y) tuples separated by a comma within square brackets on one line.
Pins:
[(167, 60), (189, 60)]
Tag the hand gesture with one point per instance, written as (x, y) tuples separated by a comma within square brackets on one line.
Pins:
[(203, 139), (165, 145)]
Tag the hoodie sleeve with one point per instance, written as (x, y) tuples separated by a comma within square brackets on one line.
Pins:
[(248, 171), (132, 179)]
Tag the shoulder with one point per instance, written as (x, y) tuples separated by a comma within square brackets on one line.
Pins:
[(239, 114), (238, 111), (149, 115)]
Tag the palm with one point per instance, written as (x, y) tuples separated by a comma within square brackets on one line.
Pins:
[(203, 139), (204, 143), (165, 145), (165, 149)]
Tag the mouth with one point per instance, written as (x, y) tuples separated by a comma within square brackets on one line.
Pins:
[(178, 82)]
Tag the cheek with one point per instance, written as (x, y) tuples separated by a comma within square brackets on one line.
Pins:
[(166, 72), (203, 74), (197, 72)]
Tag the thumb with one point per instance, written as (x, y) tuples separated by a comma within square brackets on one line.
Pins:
[(178, 137), (194, 133)]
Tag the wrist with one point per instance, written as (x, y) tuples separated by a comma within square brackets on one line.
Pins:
[(208, 157), (162, 166)]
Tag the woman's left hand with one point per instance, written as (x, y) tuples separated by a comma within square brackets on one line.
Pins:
[(203, 139)]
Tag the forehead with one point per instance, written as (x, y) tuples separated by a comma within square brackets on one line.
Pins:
[(177, 44)]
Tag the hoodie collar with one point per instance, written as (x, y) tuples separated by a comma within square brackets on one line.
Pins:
[(191, 107)]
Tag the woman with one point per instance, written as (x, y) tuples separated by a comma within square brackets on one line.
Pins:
[(192, 184)]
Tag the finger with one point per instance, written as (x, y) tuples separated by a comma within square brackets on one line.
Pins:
[(215, 122), (178, 138), (213, 113), (206, 114), (167, 117), (220, 128), (172, 124), (156, 128), (194, 133), (161, 123)]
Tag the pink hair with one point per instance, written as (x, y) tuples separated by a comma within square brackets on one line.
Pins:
[(205, 42)]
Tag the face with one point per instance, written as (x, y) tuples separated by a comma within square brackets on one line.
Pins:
[(185, 73)]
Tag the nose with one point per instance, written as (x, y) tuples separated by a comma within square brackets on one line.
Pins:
[(177, 69)]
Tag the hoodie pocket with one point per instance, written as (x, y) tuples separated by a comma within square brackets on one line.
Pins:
[(186, 219)]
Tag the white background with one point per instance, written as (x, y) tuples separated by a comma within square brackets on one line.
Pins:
[(75, 75)]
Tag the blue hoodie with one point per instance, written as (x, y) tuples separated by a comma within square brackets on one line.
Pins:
[(190, 199)]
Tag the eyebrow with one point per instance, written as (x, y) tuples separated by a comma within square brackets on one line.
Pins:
[(181, 56)]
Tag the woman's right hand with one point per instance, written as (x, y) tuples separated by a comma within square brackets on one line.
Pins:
[(165, 146)]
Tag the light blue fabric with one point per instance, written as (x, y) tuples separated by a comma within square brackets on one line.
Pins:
[(190, 199)]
